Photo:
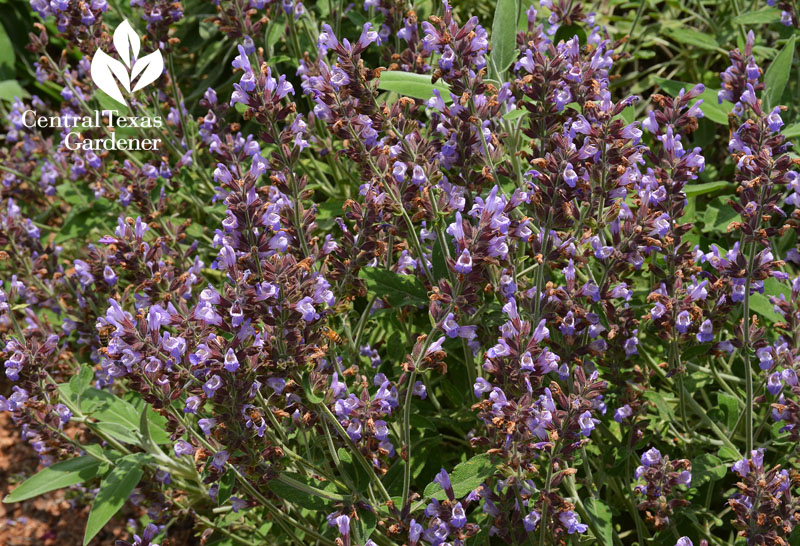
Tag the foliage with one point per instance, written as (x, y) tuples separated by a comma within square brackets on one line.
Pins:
[(401, 275)]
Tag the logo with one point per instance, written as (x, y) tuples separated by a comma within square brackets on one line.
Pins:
[(134, 74), (107, 71)]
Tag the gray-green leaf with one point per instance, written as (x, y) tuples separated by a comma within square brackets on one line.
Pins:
[(600, 514), (686, 36), (418, 86), (760, 17), (504, 39), (465, 477), (777, 75), (81, 380), (57, 476), (114, 491), (704, 188), (398, 290), (707, 468)]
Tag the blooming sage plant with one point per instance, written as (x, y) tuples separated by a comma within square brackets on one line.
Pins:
[(392, 274)]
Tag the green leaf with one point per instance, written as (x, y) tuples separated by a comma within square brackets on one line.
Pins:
[(464, 478), (7, 57), (81, 380), (119, 432), (791, 131), (707, 468), (107, 103), (275, 34), (761, 305), (628, 115), (727, 453), (686, 36), (296, 496), (226, 487), (207, 30), (777, 75), (600, 514), (356, 472), (152, 425), (150, 429), (114, 491), (515, 114), (691, 353), (83, 219), (504, 39), (365, 525), (760, 302), (57, 476), (718, 113), (707, 187), (417, 86), (719, 214), (313, 397), (567, 32), (9, 89), (730, 408), (329, 210), (104, 406), (760, 17), (664, 410), (439, 261), (398, 290)]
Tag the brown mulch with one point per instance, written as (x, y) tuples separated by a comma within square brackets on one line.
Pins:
[(54, 519)]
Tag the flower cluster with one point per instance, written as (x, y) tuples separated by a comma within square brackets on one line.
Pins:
[(367, 253), (765, 508), (660, 477)]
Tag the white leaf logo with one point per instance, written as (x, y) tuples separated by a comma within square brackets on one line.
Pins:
[(126, 41), (104, 68), (107, 71), (150, 67)]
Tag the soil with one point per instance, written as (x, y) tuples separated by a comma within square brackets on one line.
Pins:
[(59, 518), (53, 519)]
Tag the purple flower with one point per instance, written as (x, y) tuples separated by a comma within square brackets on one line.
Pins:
[(683, 321), (570, 176), (109, 276), (706, 333), (622, 413), (64, 415), (651, 457), (231, 362), (414, 531), (207, 425), (531, 521), (343, 525), (458, 518), (443, 479), (569, 519), (306, 308), (464, 263), (210, 387), (182, 447), (774, 383), (586, 423), (192, 403), (399, 171), (219, 459)]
